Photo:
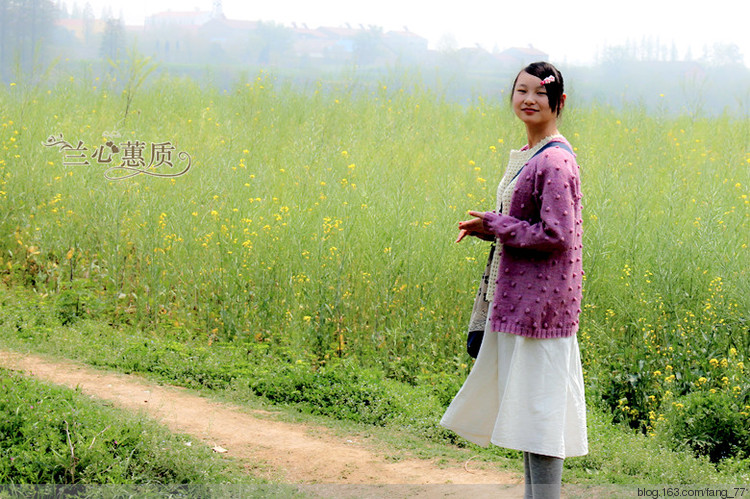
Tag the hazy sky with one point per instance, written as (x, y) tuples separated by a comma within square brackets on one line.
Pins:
[(570, 31)]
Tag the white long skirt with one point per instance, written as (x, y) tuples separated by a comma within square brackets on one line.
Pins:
[(525, 394)]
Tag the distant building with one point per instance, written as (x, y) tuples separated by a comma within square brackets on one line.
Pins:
[(311, 43), (405, 42), (81, 28), (521, 56), (170, 19), (199, 36), (343, 39)]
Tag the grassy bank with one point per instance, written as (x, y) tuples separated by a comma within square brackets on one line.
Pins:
[(51, 435), (344, 396)]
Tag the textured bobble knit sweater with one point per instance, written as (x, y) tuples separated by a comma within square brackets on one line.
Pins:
[(540, 275)]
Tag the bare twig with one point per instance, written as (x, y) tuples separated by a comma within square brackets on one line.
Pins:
[(72, 469), (466, 464), (98, 434)]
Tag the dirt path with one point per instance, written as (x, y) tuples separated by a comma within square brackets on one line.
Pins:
[(297, 453)]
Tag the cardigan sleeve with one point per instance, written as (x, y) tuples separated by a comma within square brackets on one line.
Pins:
[(556, 191)]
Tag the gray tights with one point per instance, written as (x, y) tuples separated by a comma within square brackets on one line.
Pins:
[(543, 475)]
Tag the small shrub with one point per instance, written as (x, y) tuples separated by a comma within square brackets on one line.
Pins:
[(708, 424), (333, 391)]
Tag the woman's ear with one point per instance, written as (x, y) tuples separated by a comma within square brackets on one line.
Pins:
[(561, 103)]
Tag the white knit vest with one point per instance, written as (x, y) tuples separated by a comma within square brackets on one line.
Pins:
[(518, 159)]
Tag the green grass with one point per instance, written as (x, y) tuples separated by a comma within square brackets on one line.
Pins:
[(312, 240), (51, 435), (398, 418)]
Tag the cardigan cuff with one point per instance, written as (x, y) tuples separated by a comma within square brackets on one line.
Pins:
[(490, 219)]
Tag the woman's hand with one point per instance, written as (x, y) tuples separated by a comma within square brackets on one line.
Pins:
[(474, 227)]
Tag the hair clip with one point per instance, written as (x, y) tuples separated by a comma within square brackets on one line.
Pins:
[(549, 79)]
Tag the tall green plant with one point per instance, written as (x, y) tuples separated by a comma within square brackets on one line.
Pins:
[(133, 71)]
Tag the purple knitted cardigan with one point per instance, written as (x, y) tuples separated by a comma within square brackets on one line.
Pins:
[(540, 276)]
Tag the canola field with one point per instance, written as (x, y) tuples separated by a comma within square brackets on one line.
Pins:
[(321, 220)]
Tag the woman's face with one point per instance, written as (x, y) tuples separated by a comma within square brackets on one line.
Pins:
[(530, 102)]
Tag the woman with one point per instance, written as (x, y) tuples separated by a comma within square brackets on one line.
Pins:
[(525, 391)]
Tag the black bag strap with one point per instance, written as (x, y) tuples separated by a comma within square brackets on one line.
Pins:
[(549, 144)]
